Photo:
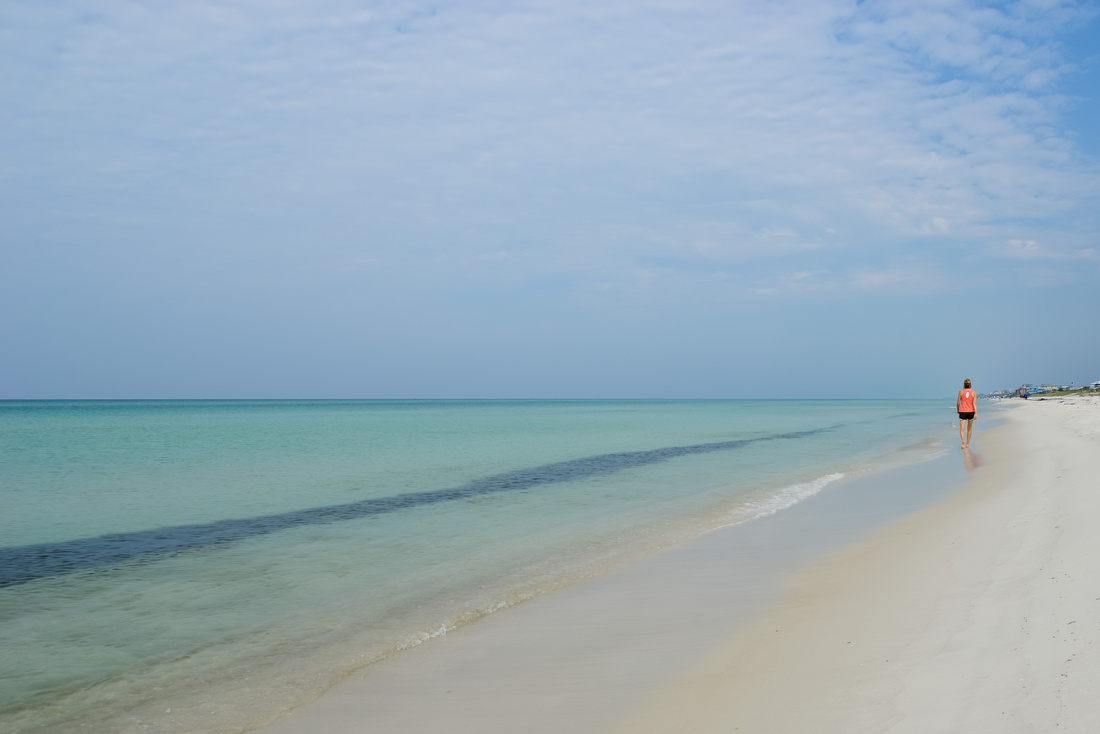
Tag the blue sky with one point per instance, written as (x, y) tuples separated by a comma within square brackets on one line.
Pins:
[(547, 199)]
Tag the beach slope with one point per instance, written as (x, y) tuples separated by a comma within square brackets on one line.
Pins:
[(981, 613)]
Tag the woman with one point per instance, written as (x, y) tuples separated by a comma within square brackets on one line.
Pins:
[(965, 407)]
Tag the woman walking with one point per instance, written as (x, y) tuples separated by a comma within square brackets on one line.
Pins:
[(965, 407)]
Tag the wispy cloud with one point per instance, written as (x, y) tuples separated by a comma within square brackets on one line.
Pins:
[(648, 153), (1033, 250)]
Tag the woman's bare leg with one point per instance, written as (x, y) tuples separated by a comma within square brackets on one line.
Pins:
[(969, 428), (962, 436)]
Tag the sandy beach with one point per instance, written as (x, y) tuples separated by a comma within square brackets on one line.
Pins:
[(979, 610), (979, 614)]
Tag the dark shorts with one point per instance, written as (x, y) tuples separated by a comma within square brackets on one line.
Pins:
[(966, 416)]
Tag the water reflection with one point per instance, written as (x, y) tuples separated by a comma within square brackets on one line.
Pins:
[(972, 459)]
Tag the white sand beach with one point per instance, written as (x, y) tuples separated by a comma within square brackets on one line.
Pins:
[(980, 612)]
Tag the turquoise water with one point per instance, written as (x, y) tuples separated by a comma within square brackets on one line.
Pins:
[(202, 565)]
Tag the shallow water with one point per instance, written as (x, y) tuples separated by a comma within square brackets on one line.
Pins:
[(299, 540)]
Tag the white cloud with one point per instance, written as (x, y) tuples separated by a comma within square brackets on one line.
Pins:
[(1033, 250), (1025, 249)]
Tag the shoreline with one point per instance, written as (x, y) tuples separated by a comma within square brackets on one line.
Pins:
[(977, 614), (225, 640), (585, 656)]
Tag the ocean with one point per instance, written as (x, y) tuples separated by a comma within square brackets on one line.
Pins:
[(178, 566)]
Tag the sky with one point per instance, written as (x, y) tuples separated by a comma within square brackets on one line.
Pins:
[(547, 199)]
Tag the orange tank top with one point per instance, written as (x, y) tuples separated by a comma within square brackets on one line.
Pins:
[(966, 401)]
